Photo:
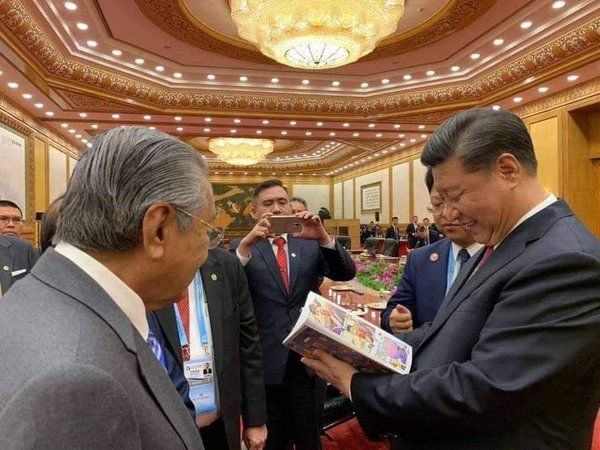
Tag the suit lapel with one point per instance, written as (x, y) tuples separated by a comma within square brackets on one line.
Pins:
[(295, 255), (212, 280), (5, 261), (265, 250), (440, 286)]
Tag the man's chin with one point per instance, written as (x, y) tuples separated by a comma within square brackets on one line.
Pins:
[(10, 233)]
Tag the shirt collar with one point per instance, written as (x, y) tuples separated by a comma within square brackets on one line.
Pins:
[(284, 236), (125, 298), (472, 249)]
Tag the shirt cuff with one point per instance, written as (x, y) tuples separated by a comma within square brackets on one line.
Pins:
[(243, 260), (331, 245)]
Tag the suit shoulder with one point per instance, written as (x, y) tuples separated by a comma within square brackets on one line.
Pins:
[(440, 246), (224, 257)]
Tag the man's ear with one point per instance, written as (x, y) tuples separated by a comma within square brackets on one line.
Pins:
[(157, 228), (509, 169)]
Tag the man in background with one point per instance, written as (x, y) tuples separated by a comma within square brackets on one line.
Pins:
[(17, 257), (429, 272), (411, 232), (281, 271), (11, 219), (298, 204), (392, 231)]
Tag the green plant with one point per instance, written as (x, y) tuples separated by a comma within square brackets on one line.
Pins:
[(378, 275)]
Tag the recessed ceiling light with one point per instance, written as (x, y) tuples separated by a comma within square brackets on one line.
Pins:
[(39, 105), (70, 6), (177, 118), (402, 144), (117, 52), (455, 68), (371, 125), (356, 134), (496, 107), (177, 75), (475, 56), (85, 141), (265, 122), (206, 130), (152, 128), (116, 116), (385, 81), (559, 4), (284, 132), (233, 131), (258, 131), (78, 136), (308, 133), (332, 133), (139, 61), (89, 145), (72, 131), (542, 89), (243, 78), (210, 76), (397, 126), (335, 83), (293, 123), (364, 85), (423, 136), (207, 119), (179, 128), (91, 43), (518, 99), (401, 136), (64, 125), (147, 117), (274, 80), (27, 96), (413, 140), (526, 24), (159, 68), (95, 126), (392, 148), (498, 42), (305, 82), (319, 124), (378, 135), (421, 127), (430, 73), (82, 26), (346, 124), (572, 77), (237, 121), (407, 77), (13, 85)]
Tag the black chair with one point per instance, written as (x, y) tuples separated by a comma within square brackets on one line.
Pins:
[(345, 241), (337, 410), (371, 246), (390, 247)]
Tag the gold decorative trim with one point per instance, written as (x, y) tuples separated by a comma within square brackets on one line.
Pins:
[(85, 102)]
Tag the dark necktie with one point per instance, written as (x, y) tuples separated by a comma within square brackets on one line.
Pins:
[(155, 348), (463, 256), (282, 261), (486, 255)]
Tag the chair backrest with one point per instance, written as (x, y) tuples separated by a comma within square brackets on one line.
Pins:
[(345, 241), (390, 247), (371, 245)]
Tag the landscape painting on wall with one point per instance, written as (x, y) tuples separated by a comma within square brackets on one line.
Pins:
[(233, 204)]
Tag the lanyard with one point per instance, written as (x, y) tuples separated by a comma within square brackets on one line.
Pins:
[(201, 316), (451, 268)]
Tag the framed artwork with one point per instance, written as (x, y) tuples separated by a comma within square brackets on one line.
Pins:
[(233, 203), (370, 197), (13, 170)]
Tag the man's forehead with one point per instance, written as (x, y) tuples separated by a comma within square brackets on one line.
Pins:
[(9, 210), (274, 192)]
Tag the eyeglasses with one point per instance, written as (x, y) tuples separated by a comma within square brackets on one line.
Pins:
[(16, 220), (435, 209), (215, 234)]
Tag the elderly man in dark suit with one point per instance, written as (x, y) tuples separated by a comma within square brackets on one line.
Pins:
[(17, 257), (281, 271), (512, 359), (79, 366)]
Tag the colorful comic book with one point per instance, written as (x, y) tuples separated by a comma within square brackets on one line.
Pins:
[(329, 327)]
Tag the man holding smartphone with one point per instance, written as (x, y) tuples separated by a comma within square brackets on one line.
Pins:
[(282, 268)]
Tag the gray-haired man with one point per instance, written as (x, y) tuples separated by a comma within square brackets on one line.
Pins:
[(78, 369)]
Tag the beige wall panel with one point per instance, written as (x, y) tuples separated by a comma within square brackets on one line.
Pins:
[(57, 173), (400, 192), (420, 194), (545, 142), (349, 199), (338, 201), (317, 195)]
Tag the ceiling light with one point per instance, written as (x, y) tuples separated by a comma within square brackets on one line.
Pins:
[(335, 83), (559, 4), (364, 85), (293, 123), (64, 125), (385, 81), (27, 96), (39, 105), (371, 125), (243, 78), (147, 117), (240, 151), (139, 61), (206, 130), (95, 126), (177, 75), (179, 128), (572, 77), (496, 107), (327, 37), (421, 127), (475, 56), (265, 122), (78, 136), (83, 115), (233, 131), (401, 136), (402, 144), (159, 68), (423, 136), (117, 52), (70, 6), (152, 128), (237, 121), (258, 131), (82, 26), (407, 77), (356, 134), (308, 133), (378, 135), (413, 140), (397, 126), (498, 42), (91, 43), (518, 99), (49, 113), (85, 141), (543, 89), (526, 24), (13, 85), (177, 118), (72, 131), (455, 68), (346, 124), (305, 82), (319, 124), (332, 133), (274, 80), (284, 132), (116, 116), (430, 73), (207, 119), (210, 76)]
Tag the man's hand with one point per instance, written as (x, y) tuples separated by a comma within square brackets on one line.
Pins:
[(255, 437), (329, 368), (313, 228), (259, 233), (401, 320)]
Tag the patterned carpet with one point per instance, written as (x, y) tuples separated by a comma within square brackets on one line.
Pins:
[(349, 436)]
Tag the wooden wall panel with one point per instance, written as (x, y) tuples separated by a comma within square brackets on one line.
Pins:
[(546, 143)]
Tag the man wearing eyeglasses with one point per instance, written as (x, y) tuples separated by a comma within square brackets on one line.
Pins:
[(11, 219)]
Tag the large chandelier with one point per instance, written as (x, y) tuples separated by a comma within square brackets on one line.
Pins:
[(316, 34), (240, 151)]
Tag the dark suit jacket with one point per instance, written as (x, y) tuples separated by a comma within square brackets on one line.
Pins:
[(75, 373), (389, 233), (277, 310), (236, 345), (433, 237), (512, 359), (16, 255), (423, 284), (411, 229)]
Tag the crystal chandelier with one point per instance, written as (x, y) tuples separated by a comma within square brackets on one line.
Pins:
[(316, 34), (240, 151)]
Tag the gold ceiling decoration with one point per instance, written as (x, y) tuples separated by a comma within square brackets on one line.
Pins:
[(240, 151), (316, 34)]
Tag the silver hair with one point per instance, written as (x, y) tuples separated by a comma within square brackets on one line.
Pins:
[(127, 170)]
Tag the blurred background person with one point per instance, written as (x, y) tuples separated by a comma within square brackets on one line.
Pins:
[(11, 219)]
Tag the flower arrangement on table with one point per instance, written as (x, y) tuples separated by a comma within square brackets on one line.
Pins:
[(380, 276)]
